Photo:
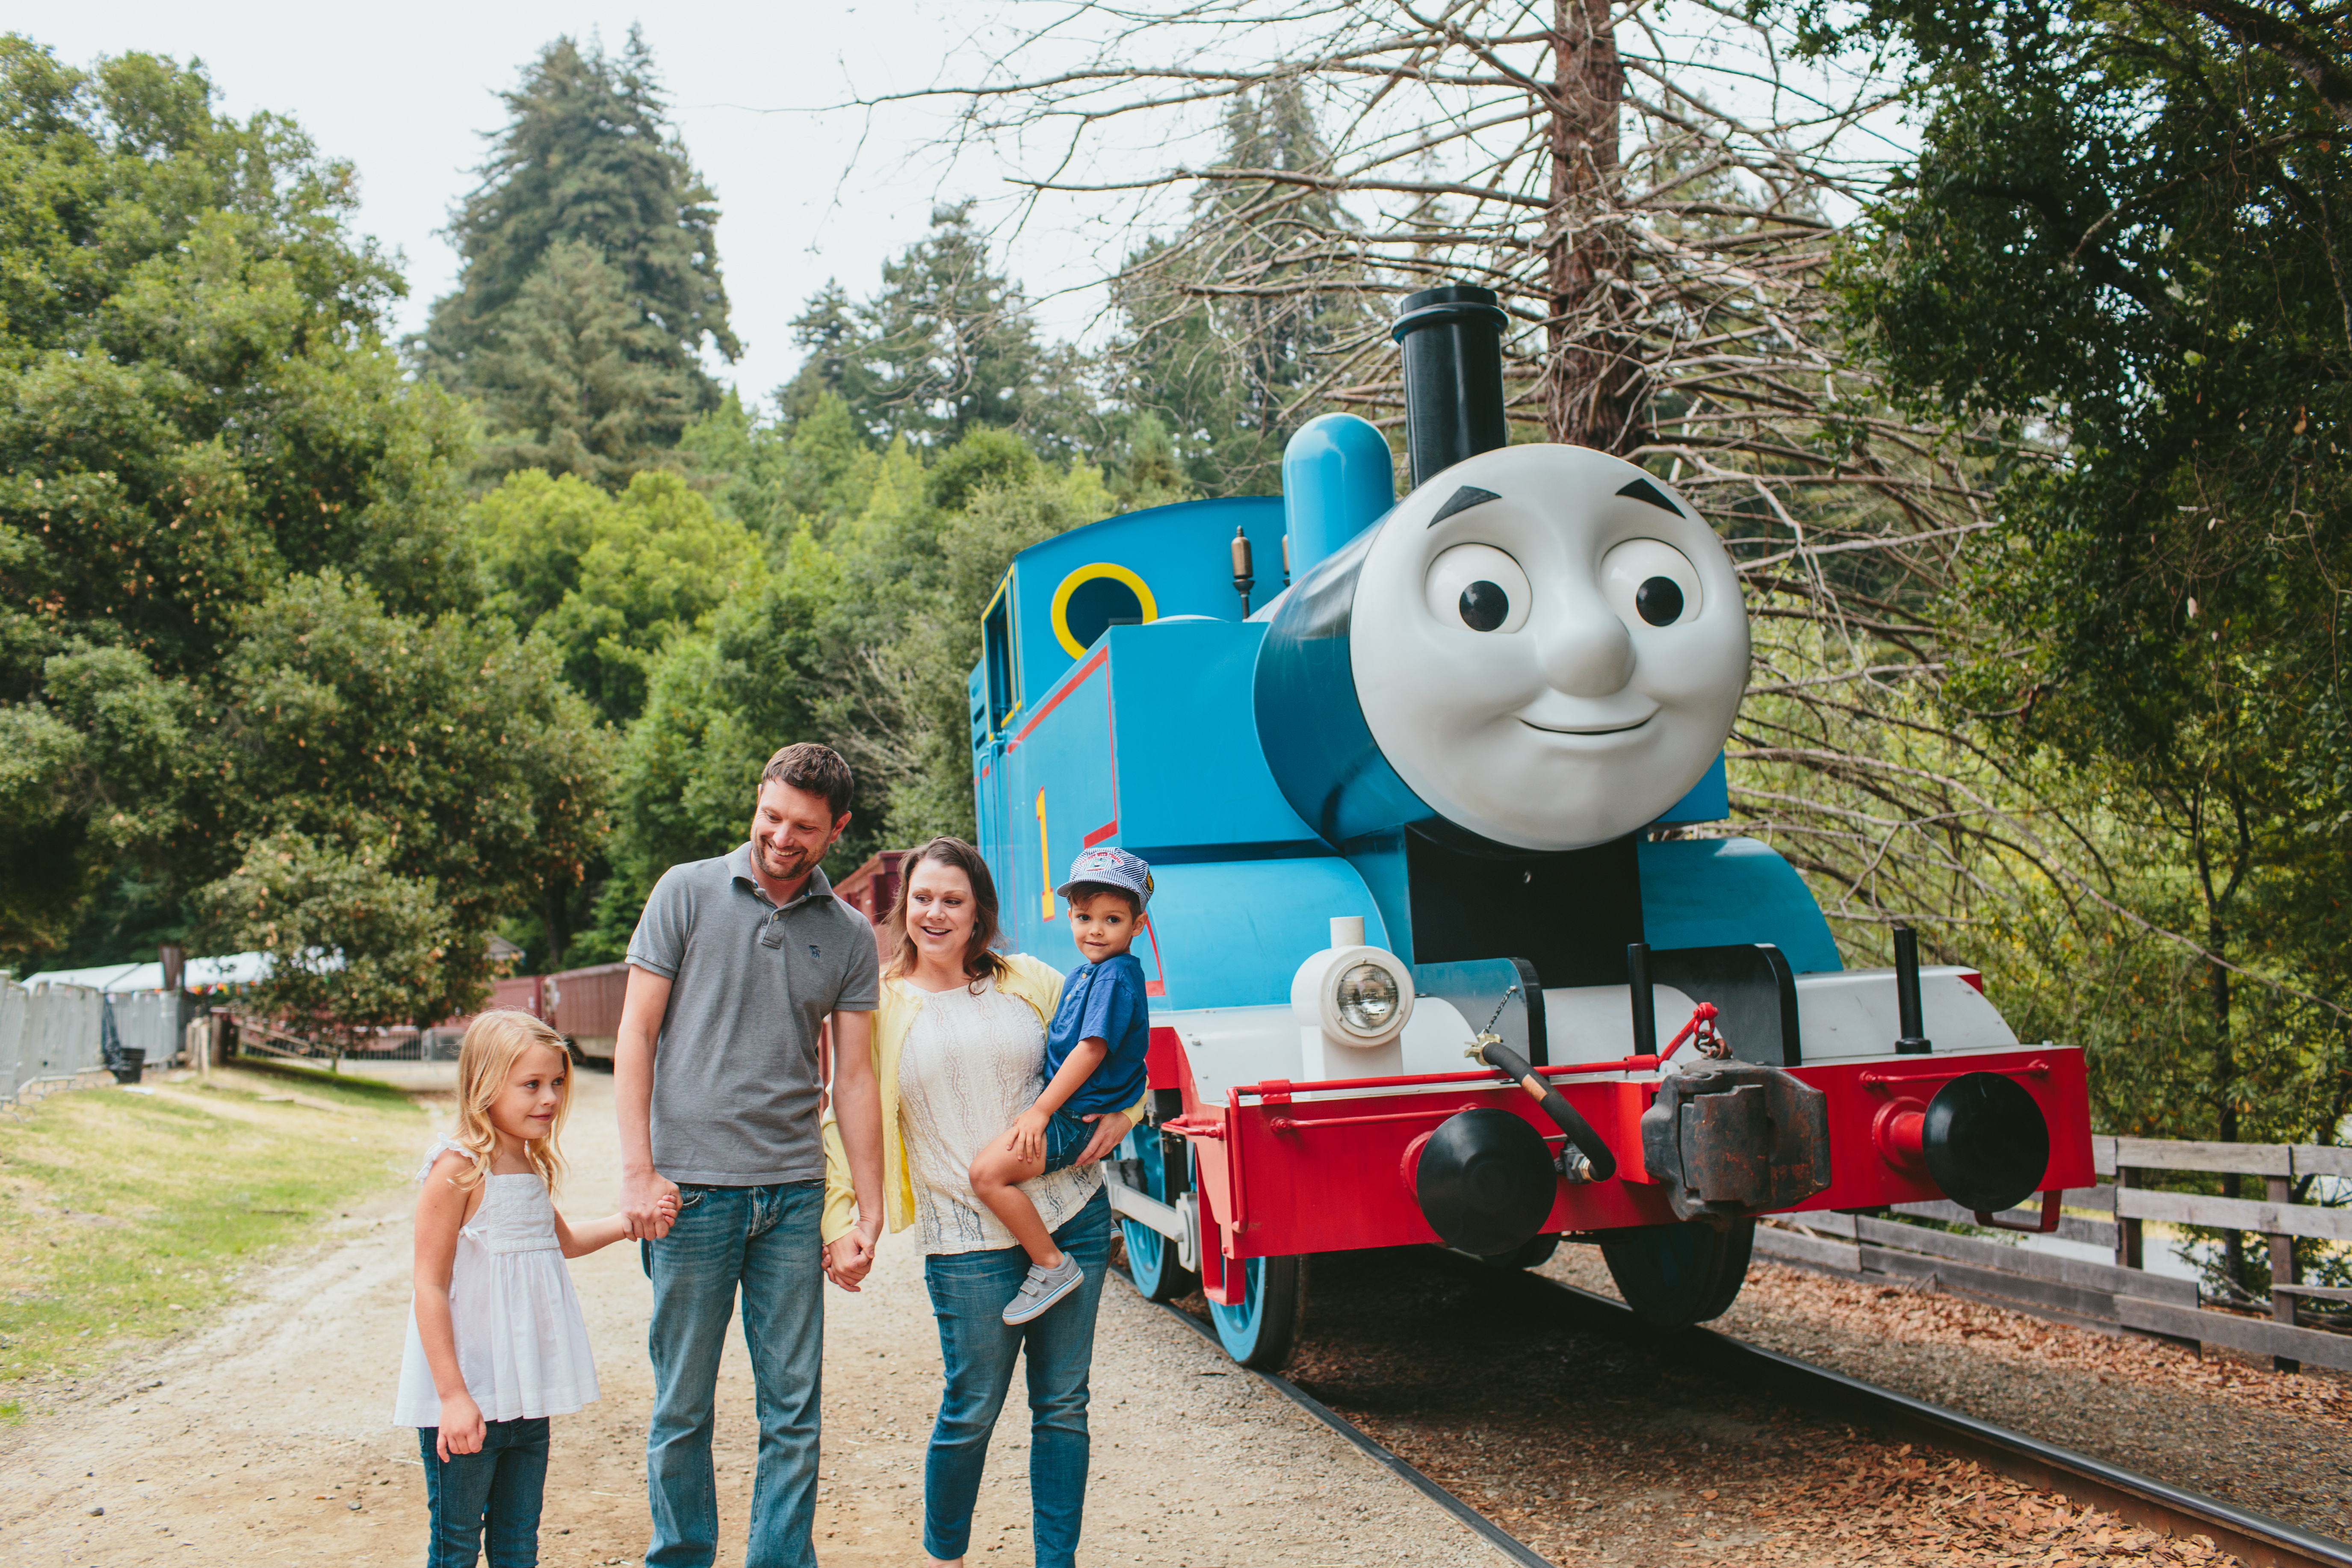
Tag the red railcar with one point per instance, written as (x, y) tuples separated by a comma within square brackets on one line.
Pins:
[(873, 891), (584, 1007)]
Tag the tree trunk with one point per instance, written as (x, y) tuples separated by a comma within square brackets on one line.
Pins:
[(551, 909), (2225, 1084), (1592, 379)]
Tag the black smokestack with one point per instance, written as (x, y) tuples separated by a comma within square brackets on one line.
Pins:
[(1452, 339)]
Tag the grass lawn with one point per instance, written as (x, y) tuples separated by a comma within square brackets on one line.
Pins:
[(123, 1214)]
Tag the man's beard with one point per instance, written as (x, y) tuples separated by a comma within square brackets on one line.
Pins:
[(796, 862)]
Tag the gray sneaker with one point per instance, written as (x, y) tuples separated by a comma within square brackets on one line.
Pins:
[(1044, 1287)]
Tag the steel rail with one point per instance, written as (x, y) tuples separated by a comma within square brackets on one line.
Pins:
[(2256, 1538)]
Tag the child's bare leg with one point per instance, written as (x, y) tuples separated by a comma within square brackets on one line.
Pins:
[(994, 1178)]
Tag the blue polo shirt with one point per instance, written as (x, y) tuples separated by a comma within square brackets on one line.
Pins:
[(1102, 1002)]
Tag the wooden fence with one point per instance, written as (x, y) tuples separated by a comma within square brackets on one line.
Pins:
[(2122, 1295)]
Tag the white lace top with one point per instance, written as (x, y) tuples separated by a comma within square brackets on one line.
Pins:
[(522, 1345), (970, 1064)]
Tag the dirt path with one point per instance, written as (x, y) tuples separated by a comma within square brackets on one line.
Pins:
[(264, 1438)]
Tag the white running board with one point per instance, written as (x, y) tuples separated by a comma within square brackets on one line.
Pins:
[(1181, 1226)]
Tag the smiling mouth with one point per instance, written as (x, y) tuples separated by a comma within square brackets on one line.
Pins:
[(1583, 729)]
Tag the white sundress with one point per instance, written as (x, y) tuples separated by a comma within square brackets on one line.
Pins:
[(522, 1344)]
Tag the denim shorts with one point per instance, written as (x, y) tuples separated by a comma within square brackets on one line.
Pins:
[(1067, 1138)]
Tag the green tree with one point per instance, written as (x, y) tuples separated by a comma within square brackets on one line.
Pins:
[(196, 406), (945, 346), (720, 703), (610, 580), (2121, 248), (1220, 342), (860, 638), (575, 378), (401, 784), (773, 474), (587, 168), (90, 777)]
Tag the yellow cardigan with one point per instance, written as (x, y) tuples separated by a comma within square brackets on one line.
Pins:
[(1025, 977)]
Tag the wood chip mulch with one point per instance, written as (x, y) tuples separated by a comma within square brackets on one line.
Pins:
[(1594, 1450), (1896, 1506), (1921, 1317)]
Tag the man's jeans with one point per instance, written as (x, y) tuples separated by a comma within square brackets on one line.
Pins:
[(765, 1239), (495, 1493), (969, 1290)]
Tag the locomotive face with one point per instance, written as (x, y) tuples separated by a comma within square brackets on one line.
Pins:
[(1547, 649)]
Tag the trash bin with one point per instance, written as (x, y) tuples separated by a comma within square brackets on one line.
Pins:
[(128, 1064)]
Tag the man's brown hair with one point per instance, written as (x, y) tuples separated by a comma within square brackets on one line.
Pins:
[(818, 770)]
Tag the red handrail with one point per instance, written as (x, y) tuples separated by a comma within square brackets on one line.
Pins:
[(1471, 1075)]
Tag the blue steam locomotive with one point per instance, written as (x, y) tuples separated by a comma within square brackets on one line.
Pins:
[(1436, 954)]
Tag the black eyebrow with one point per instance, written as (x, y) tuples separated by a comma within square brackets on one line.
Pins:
[(1642, 489), (1463, 499)]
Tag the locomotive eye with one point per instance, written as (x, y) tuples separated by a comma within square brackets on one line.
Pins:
[(1659, 601), (1649, 583), (1480, 588), (1484, 605)]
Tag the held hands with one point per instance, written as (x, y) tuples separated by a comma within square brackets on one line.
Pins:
[(849, 1257), (1110, 1128), (461, 1426), (648, 1204), (1027, 1138)]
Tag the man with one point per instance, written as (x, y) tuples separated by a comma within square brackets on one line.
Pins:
[(735, 968)]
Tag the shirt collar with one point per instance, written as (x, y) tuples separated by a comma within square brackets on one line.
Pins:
[(738, 866)]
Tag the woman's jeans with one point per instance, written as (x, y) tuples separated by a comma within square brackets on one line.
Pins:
[(764, 1240), (495, 1493), (969, 1290)]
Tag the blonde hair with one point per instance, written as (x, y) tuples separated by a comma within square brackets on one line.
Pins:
[(494, 1042)]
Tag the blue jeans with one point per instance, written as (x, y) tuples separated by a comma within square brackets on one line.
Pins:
[(496, 1494), (969, 1290), (764, 1239)]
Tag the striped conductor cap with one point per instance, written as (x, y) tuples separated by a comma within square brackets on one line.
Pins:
[(1110, 867)]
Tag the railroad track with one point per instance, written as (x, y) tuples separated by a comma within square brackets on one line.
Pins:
[(1372, 1448), (2254, 1537)]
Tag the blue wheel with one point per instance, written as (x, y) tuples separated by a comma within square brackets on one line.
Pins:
[(1676, 1275), (1151, 1256), (1263, 1330)]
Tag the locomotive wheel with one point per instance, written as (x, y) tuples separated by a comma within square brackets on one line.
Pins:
[(1151, 1256), (1676, 1275), (1263, 1332)]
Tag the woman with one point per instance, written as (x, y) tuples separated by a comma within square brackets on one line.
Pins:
[(960, 1052)]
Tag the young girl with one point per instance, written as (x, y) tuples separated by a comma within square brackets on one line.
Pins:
[(496, 1342)]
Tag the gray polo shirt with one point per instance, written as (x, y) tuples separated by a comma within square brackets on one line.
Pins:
[(735, 1070)]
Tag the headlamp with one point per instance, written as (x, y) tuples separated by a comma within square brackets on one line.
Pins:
[(1352, 994), (1367, 997)]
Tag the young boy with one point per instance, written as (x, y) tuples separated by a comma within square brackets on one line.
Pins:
[(1094, 1065)]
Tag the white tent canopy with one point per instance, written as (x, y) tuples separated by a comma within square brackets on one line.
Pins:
[(229, 969)]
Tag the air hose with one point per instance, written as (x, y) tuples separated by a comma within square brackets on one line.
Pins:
[(1588, 1143)]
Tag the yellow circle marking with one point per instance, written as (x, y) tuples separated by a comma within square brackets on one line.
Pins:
[(1085, 575)]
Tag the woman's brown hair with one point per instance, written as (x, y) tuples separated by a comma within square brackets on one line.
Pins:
[(981, 961)]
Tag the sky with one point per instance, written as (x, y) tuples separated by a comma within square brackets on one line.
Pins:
[(404, 91), (808, 190)]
